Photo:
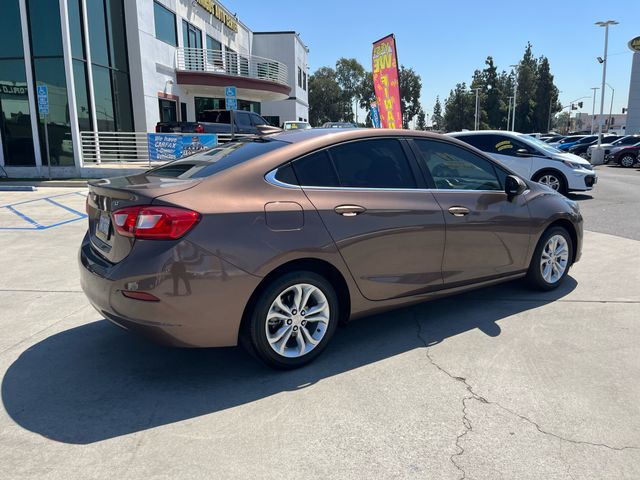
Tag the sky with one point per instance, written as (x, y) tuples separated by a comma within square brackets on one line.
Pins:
[(445, 41)]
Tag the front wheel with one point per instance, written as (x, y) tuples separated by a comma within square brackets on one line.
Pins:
[(551, 260), (293, 320), (553, 180), (627, 161)]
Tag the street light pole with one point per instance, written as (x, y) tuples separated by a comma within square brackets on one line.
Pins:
[(598, 154), (593, 108), (509, 113), (610, 106), (476, 122), (515, 96)]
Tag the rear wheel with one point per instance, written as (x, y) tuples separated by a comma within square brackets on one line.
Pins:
[(627, 161), (553, 180), (551, 259), (293, 320)]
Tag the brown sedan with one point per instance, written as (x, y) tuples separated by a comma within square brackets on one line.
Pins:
[(273, 241)]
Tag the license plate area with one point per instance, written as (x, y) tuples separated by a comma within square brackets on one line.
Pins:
[(104, 225)]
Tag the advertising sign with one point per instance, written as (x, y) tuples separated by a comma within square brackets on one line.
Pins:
[(375, 115), (386, 82), (172, 146)]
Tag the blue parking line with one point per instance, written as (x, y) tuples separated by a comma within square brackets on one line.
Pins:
[(25, 217), (68, 209), (38, 199)]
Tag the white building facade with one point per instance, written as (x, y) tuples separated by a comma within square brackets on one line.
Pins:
[(125, 65)]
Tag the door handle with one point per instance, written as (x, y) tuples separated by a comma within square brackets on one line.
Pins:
[(349, 210), (458, 211)]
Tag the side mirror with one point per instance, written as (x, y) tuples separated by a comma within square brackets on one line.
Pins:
[(523, 152), (514, 186)]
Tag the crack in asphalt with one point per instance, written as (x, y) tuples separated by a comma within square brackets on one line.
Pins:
[(468, 427)]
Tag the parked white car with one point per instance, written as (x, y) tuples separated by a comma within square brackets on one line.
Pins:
[(533, 159)]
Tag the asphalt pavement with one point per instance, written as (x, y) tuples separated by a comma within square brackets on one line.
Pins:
[(499, 383)]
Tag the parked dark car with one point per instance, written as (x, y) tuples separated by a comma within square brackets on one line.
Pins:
[(624, 141), (581, 148), (272, 241), (219, 121), (625, 156)]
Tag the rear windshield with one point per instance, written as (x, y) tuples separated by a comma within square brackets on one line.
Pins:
[(217, 159)]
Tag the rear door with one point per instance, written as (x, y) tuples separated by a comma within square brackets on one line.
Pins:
[(389, 231), (488, 234)]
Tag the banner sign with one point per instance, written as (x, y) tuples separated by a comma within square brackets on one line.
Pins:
[(386, 82), (375, 115), (172, 146)]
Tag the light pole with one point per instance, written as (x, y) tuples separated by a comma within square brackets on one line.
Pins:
[(610, 106), (515, 96), (598, 153), (509, 113), (550, 104), (475, 117), (593, 108)]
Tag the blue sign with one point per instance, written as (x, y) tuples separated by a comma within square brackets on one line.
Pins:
[(43, 99), (173, 146), (375, 115), (230, 99)]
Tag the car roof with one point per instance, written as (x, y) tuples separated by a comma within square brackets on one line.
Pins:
[(332, 135)]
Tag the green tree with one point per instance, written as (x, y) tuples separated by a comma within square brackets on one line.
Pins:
[(349, 74), (410, 89), (527, 74), (437, 120), (459, 109), (326, 98), (494, 96), (421, 123), (546, 97)]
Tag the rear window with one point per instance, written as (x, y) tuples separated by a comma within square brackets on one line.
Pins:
[(217, 159)]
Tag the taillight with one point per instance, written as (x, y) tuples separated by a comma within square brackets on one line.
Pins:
[(199, 128), (151, 222)]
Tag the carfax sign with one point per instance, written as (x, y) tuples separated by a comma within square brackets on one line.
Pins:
[(173, 146)]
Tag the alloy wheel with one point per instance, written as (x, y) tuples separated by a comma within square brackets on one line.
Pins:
[(554, 259), (297, 320), (627, 161), (550, 180)]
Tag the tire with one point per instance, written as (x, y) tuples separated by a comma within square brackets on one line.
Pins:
[(543, 275), (552, 179), (286, 339), (627, 161)]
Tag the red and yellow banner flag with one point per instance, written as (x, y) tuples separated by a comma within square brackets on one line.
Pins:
[(386, 82)]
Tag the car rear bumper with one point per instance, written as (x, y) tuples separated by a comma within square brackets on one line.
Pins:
[(201, 297)]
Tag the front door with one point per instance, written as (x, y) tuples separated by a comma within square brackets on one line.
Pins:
[(389, 232), (488, 234)]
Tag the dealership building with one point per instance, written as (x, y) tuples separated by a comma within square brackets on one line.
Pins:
[(118, 66)]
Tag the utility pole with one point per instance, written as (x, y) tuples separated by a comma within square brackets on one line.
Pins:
[(476, 123), (598, 154), (593, 108)]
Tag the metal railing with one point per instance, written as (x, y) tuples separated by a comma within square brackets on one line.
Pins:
[(99, 147), (231, 63), (125, 147)]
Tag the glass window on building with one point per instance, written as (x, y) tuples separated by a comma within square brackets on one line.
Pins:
[(232, 61), (214, 52), (78, 53), (48, 69), (183, 111), (165, 21), (15, 116), (168, 110), (104, 99), (299, 77), (192, 43), (304, 81)]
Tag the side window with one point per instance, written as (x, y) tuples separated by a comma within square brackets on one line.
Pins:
[(315, 170), (509, 146), (454, 168), (243, 119), (379, 163), (285, 174), (485, 143), (258, 120)]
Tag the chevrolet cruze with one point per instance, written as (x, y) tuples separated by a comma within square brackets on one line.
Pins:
[(272, 241)]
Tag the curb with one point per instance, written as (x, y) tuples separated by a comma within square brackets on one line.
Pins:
[(11, 186), (17, 188)]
